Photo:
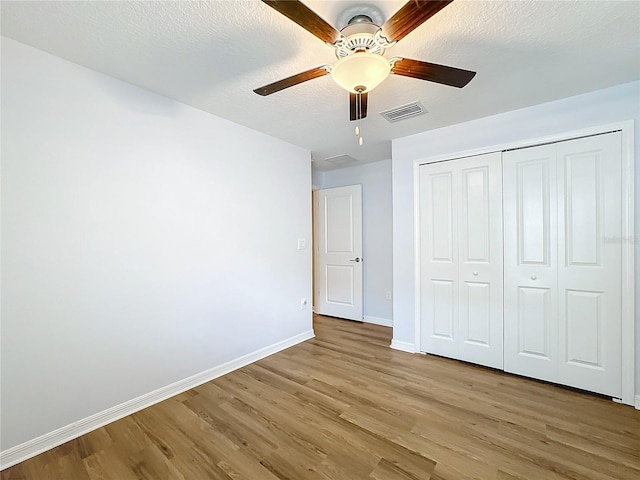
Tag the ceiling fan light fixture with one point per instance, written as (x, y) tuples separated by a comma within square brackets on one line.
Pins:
[(360, 72)]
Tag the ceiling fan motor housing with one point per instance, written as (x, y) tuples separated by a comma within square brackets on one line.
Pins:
[(361, 36)]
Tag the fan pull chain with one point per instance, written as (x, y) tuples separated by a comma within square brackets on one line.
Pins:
[(359, 117)]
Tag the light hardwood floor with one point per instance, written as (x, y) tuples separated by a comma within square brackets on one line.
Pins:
[(344, 406)]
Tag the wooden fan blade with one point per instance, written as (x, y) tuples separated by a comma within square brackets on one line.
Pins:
[(432, 72), (291, 81), (299, 13), (358, 105), (413, 14)]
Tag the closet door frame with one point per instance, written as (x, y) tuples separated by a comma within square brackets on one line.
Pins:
[(626, 128)]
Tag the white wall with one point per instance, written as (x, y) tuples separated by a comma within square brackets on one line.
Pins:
[(143, 241), (596, 108), (375, 179), (316, 178)]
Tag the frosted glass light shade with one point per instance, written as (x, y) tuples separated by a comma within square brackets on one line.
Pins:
[(361, 69)]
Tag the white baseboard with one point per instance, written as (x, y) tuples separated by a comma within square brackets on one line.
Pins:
[(637, 405), (33, 447), (385, 322), (403, 346)]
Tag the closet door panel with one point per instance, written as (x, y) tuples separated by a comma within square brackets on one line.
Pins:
[(439, 259), (441, 215), (480, 253), (476, 313), (530, 263), (583, 346), (589, 275), (475, 215), (444, 306), (534, 322), (533, 215)]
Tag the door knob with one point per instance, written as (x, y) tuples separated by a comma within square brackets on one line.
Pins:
[(357, 259), (475, 273), (533, 277)]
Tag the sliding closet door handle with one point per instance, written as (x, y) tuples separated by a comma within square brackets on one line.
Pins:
[(357, 259)]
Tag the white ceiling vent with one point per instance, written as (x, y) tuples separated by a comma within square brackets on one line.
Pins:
[(404, 111), (339, 160)]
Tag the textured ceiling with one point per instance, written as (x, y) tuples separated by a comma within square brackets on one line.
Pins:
[(212, 54)]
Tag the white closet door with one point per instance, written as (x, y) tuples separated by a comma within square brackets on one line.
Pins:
[(480, 260), (439, 258), (562, 212), (530, 263), (589, 264), (461, 259)]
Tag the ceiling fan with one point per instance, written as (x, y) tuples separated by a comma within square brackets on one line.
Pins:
[(360, 46)]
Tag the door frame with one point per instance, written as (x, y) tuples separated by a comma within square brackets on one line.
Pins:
[(628, 233)]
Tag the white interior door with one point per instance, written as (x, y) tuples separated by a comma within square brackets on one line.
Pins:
[(339, 262), (461, 259), (562, 275)]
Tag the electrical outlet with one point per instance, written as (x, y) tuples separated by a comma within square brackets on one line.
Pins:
[(303, 303), (388, 295)]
